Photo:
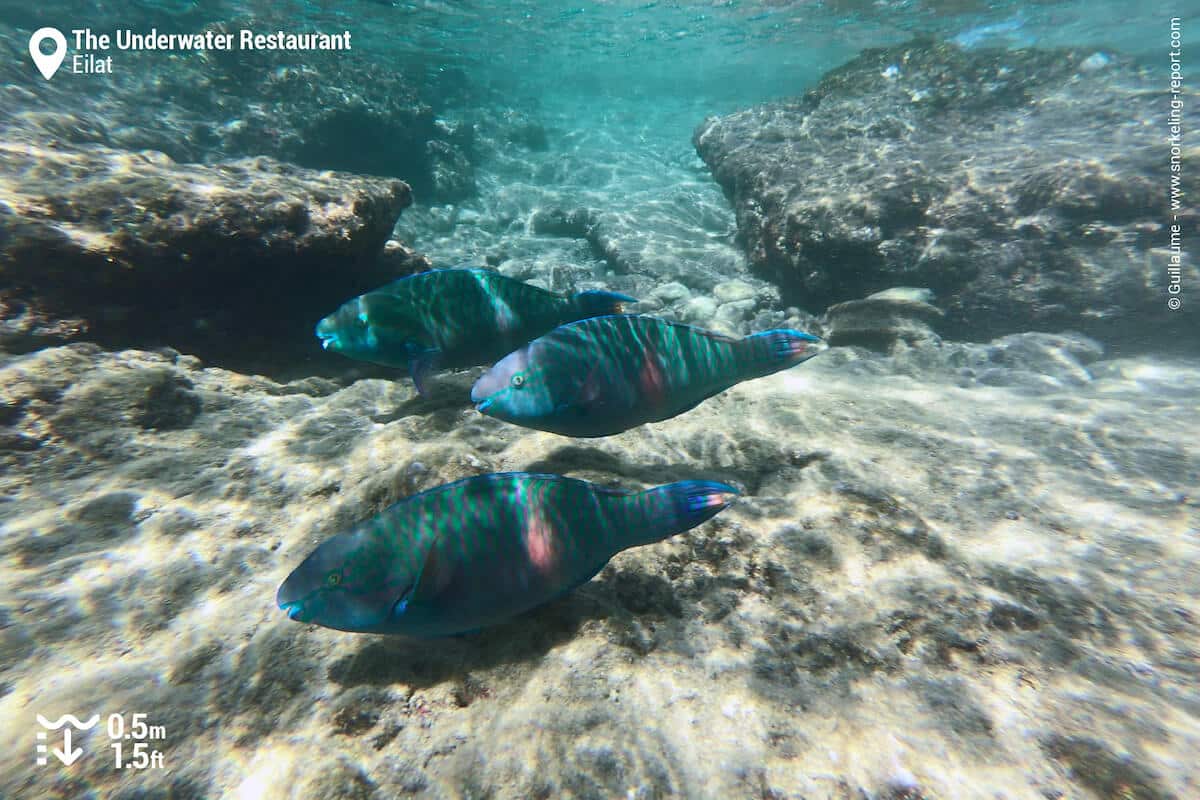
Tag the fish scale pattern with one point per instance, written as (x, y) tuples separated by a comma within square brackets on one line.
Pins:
[(604, 375), (475, 552)]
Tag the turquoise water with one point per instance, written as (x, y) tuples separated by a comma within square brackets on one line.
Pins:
[(919, 274)]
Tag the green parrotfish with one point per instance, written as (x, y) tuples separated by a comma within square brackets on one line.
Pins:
[(452, 318), (605, 375), (479, 551)]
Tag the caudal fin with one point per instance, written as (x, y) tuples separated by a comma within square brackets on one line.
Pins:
[(664, 511), (598, 303), (771, 351)]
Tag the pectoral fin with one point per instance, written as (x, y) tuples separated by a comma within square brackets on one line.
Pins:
[(591, 389), (422, 368), (437, 573)]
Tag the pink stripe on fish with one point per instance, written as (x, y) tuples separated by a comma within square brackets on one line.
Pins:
[(651, 377), (541, 544)]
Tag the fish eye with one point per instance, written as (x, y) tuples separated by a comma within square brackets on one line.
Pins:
[(333, 579), (518, 380)]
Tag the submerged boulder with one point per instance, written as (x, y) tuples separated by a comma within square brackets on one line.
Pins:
[(232, 261), (974, 174), (898, 314)]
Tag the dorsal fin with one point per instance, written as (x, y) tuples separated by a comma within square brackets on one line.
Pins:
[(649, 321)]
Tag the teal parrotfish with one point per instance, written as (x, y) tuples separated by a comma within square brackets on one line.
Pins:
[(604, 375), (452, 318), (473, 553)]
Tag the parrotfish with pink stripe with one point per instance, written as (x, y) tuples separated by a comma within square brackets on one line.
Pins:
[(604, 375), (452, 318), (479, 551)]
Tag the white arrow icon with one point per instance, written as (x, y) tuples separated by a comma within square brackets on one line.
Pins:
[(48, 63), (67, 755)]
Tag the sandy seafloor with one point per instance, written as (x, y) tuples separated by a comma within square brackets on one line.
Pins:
[(975, 592)]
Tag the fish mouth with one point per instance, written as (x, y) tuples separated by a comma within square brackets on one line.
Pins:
[(326, 331), (328, 338), (483, 405), (293, 609), (288, 601), (483, 395)]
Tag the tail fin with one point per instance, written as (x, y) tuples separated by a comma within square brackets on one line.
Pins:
[(597, 303), (664, 511), (771, 351)]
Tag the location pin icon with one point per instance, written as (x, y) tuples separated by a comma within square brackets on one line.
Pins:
[(48, 63)]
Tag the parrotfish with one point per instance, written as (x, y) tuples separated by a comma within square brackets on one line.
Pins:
[(605, 375), (476, 552), (452, 318)]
